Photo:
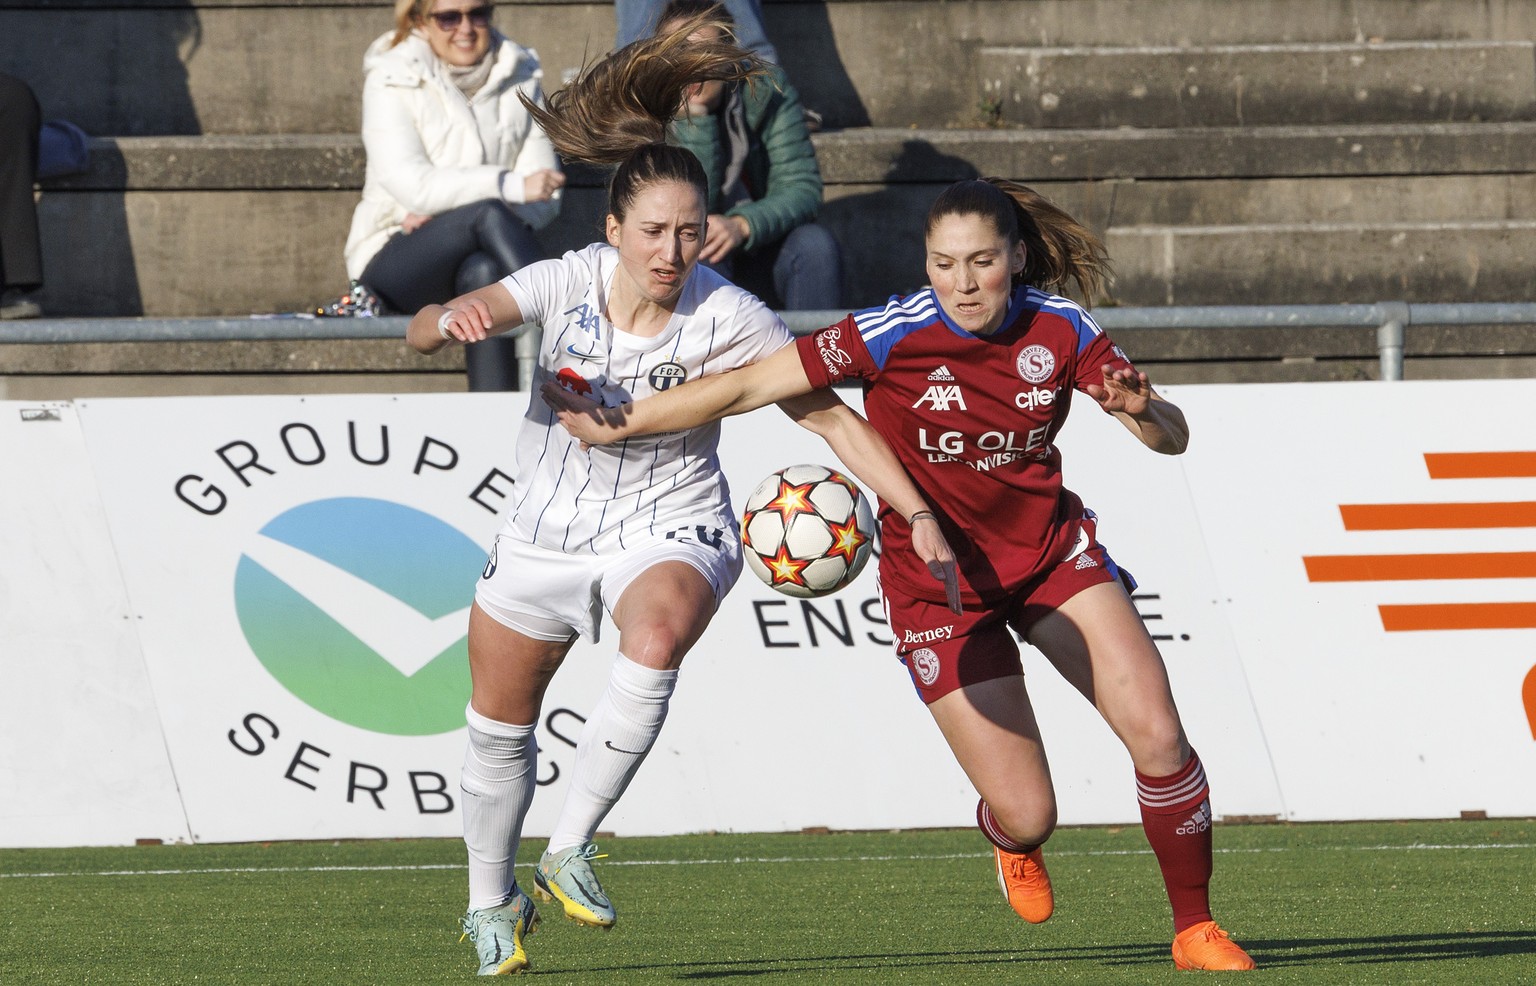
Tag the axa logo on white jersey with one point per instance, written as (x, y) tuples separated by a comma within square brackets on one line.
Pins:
[(997, 448)]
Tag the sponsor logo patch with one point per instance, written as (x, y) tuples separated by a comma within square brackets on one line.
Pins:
[(1036, 363), (664, 375), (941, 375), (925, 663)]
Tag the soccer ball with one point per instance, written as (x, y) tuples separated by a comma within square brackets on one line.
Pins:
[(807, 531)]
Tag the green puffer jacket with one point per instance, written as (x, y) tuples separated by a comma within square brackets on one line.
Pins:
[(780, 171)]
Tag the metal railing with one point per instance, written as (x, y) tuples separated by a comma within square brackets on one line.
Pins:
[(1390, 318)]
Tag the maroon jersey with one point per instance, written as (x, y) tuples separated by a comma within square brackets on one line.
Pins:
[(973, 419)]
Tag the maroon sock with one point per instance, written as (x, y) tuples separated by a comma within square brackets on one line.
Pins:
[(994, 832), (1176, 816)]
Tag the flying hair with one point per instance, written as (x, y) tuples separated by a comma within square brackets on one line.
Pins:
[(629, 98)]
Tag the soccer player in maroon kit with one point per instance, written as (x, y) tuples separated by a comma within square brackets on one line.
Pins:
[(969, 380)]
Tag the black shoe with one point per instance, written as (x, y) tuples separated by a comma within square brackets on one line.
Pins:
[(20, 304), (358, 302)]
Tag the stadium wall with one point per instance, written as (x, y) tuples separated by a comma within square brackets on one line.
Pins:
[(240, 618)]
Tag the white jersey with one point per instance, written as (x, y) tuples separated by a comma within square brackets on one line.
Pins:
[(610, 497)]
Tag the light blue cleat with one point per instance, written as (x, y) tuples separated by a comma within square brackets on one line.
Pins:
[(567, 877), (498, 934)]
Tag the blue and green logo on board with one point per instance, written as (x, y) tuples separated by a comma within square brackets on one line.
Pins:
[(359, 608)]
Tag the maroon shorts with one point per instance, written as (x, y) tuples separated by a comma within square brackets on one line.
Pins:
[(944, 652)]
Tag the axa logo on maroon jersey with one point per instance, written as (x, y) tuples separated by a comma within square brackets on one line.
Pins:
[(943, 397)]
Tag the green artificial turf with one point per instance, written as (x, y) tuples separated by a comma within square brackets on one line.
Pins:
[(1364, 903)]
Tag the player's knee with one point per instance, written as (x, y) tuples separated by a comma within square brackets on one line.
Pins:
[(1029, 821), (653, 645), (1156, 744)]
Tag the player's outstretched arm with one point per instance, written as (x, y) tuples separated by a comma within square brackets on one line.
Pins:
[(768, 381), (869, 457), (468, 318), (1158, 423)]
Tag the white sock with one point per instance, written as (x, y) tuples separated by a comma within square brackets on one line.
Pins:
[(497, 784), (614, 742)]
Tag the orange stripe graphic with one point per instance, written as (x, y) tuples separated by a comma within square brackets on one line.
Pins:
[(1528, 692), (1480, 465), (1382, 568), (1422, 516), (1463, 616)]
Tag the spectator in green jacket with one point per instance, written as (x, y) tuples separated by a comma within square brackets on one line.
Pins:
[(764, 183)]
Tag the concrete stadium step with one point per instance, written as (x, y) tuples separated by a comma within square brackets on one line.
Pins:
[(233, 225), (1261, 84), (893, 156), (1284, 263), (122, 68)]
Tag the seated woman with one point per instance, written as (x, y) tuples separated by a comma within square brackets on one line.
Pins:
[(459, 175), (765, 186)]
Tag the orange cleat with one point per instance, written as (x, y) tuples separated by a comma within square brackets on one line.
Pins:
[(1206, 946), (1026, 884)]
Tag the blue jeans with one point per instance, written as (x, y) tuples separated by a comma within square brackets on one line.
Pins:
[(801, 272), (637, 19)]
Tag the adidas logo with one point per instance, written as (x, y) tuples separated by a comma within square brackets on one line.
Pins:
[(942, 373), (1085, 561), (1197, 823)]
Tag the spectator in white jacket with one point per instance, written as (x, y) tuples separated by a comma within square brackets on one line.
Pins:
[(459, 175)]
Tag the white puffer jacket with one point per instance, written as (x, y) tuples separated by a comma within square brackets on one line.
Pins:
[(431, 150)]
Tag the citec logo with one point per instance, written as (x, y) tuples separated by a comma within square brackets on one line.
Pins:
[(1434, 568), (357, 606)]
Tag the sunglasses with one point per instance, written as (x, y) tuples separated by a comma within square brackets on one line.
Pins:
[(449, 20)]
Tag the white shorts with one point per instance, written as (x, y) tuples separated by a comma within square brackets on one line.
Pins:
[(553, 595)]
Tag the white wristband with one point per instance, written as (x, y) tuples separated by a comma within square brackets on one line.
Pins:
[(442, 324)]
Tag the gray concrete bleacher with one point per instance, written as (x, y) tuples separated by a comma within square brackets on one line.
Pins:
[(1230, 151)]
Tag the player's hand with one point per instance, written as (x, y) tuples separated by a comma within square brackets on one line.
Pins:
[(413, 221), (1125, 390), (468, 321), (723, 235), (585, 419), (929, 543)]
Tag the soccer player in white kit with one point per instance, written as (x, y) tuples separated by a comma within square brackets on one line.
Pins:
[(643, 528)]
